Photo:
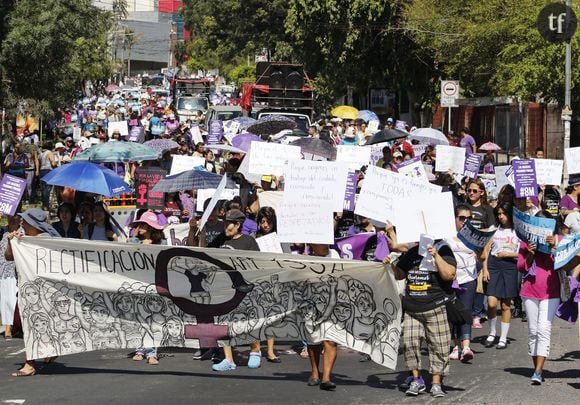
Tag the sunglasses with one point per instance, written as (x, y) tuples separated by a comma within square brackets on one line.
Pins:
[(473, 190), (462, 218)]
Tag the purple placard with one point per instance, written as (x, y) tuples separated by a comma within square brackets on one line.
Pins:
[(215, 132), (135, 133), (525, 181), (349, 194), (472, 164), (11, 190)]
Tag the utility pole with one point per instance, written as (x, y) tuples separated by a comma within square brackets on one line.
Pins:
[(567, 111)]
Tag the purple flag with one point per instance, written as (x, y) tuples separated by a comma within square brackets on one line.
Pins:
[(352, 247), (525, 181), (382, 249), (11, 190)]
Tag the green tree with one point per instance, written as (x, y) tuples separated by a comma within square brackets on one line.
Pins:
[(52, 46), (493, 47), (242, 74)]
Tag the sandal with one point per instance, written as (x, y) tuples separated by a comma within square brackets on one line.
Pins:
[(21, 373), (274, 359), (152, 361), (138, 357)]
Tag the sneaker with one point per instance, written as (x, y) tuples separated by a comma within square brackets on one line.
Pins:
[(437, 391), (454, 354), (476, 324), (524, 317), (203, 354), (537, 378), (415, 388), (255, 360), (224, 365), (406, 384), (466, 354)]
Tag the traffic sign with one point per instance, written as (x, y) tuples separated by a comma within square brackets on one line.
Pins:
[(557, 23), (449, 93)]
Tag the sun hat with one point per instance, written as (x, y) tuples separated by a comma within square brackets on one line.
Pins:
[(59, 145), (150, 219), (38, 219)]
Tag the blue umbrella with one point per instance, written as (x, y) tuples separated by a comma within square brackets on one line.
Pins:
[(89, 177), (367, 115), (118, 152)]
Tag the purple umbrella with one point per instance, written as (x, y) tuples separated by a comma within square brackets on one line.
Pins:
[(243, 141), (161, 145)]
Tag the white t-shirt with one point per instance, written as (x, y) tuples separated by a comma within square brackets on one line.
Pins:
[(573, 222), (504, 240), (466, 260)]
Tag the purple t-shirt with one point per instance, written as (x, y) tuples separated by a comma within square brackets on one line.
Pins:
[(467, 142), (568, 203)]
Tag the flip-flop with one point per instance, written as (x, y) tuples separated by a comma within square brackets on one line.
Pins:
[(273, 360)]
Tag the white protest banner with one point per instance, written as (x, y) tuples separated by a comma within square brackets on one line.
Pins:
[(203, 194), (572, 157), (270, 199), (413, 168), (121, 296), (269, 243), (549, 171), (373, 126), (213, 202), (474, 238), (450, 158), (534, 229), (424, 214), (381, 188), (245, 170), (120, 126), (196, 134), (308, 180), (305, 222), (176, 235), (503, 177), (77, 132), (354, 156), (182, 163), (271, 158)]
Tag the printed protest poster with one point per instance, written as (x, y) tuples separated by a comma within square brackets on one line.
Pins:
[(176, 234), (307, 181), (525, 182), (572, 157), (474, 238), (472, 164), (450, 158), (566, 250), (271, 158), (354, 156), (503, 175), (120, 126), (413, 168), (146, 178), (183, 163), (381, 188), (136, 133), (269, 243), (122, 296), (11, 190), (549, 171), (419, 149), (377, 152), (534, 229), (430, 214), (350, 192), (215, 132), (77, 133), (373, 126)]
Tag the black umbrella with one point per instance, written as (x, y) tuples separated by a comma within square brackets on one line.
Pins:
[(271, 124), (317, 147), (386, 135)]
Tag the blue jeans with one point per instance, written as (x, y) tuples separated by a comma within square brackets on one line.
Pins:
[(45, 190), (463, 332), (147, 351)]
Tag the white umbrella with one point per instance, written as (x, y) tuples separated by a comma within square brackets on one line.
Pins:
[(429, 136)]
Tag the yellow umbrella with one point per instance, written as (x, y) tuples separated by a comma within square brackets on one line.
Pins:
[(345, 112)]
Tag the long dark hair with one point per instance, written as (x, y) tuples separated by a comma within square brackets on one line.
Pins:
[(508, 209), (270, 215)]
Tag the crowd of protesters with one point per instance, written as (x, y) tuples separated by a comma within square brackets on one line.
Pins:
[(497, 281)]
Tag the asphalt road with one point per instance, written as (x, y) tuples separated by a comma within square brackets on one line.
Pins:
[(110, 377)]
